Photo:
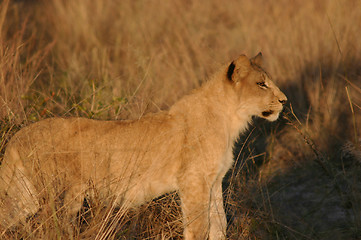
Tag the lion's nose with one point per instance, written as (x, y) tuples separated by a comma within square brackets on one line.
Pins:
[(283, 101)]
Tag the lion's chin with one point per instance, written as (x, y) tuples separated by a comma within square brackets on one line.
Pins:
[(270, 115)]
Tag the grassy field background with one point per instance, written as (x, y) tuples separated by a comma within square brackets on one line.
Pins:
[(299, 178)]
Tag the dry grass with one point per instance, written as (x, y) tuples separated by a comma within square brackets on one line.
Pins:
[(297, 179)]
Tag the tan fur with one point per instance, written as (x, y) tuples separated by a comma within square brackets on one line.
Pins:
[(186, 149)]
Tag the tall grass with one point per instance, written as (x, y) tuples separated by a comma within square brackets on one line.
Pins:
[(122, 59)]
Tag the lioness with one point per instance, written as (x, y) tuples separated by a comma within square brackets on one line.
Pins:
[(186, 149)]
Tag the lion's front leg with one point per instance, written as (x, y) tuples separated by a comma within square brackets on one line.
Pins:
[(218, 221), (195, 198)]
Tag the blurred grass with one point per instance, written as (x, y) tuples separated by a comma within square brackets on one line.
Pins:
[(296, 179)]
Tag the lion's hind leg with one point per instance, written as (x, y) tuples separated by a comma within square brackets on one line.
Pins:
[(19, 198), (73, 202)]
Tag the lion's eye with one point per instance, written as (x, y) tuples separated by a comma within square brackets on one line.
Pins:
[(262, 84)]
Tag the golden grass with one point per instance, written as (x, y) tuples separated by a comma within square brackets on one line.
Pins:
[(121, 59)]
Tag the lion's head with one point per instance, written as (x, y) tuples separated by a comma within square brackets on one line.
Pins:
[(258, 94)]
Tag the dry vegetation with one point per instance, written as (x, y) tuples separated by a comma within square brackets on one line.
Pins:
[(297, 179)]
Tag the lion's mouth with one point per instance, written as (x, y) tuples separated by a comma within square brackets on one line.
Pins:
[(267, 113)]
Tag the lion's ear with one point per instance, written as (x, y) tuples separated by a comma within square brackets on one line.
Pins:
[(257, 60), (239, 68)]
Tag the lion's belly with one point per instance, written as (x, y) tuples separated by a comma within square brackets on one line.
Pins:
[(138, 189), (145, 173), (144, 192), (134, 177)]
